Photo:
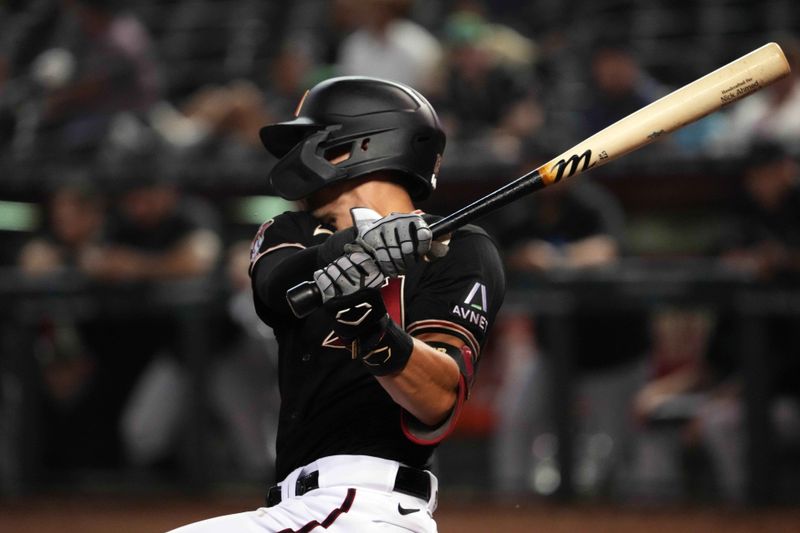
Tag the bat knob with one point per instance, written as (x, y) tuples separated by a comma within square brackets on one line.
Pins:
[(304, 298)]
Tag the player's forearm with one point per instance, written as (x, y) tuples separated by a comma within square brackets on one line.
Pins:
[(278, 271), (428, 385)]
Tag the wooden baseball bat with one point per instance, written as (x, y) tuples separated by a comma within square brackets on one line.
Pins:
[(683, 106)]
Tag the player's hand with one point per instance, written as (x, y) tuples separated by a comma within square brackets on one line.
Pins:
[(350, 288), (348, 275), (396, 242)]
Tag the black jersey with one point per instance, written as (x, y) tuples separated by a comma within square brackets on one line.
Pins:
[(329, 403)]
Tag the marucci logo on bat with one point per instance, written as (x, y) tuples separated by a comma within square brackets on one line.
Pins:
[(570, 166)]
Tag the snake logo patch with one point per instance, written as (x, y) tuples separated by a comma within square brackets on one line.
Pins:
[(258, 240)]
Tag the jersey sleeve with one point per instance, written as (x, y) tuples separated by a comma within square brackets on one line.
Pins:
[(459, 295), (282, 255), (282, 232)]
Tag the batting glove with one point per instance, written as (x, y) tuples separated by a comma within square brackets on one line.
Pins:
[(397, 241), (350, 288), (347, 275)]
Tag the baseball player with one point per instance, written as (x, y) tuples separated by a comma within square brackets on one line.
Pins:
[(375, 378)]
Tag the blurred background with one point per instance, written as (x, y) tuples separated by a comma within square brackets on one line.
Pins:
[(644, 370)]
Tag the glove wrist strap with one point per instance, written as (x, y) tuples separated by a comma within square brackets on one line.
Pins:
[(388, 353)]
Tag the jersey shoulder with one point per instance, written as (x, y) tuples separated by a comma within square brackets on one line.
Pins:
[(291, 229), (472, 252), (462, 291)]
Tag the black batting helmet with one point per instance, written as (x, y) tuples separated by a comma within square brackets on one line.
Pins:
[(382, 125)]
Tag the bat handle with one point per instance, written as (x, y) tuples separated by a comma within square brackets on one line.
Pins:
[(530, 182), (304, 298)]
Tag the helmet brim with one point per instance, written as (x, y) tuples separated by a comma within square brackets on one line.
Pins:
[(280, 138)]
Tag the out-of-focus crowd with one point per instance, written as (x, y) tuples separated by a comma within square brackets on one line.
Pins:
[(112, 113), (81, 80)]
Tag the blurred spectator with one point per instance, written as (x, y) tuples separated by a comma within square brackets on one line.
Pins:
[(235, 111), (155, 234), (388, 45), (108, 66), (504, 43), (321, 26), (76, 214), (768, 115), (574, 226), (22, 28), (765, 242), (675, 388), (292, 72), (482, 92), (28, 29), (766, 237), (73, 223), (7, 119), (244, 384), (619, 86), (486, 98)]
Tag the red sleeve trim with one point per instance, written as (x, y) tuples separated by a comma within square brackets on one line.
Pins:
[(419, 433), (469, 366), (445, 326)]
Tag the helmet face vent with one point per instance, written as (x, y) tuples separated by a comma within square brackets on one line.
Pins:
[(365, 144), (338, 154)]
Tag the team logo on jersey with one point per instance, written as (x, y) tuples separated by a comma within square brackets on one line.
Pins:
[(474, 307), (258, 240)]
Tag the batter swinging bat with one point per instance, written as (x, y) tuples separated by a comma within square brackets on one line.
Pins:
[(683, 106)]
